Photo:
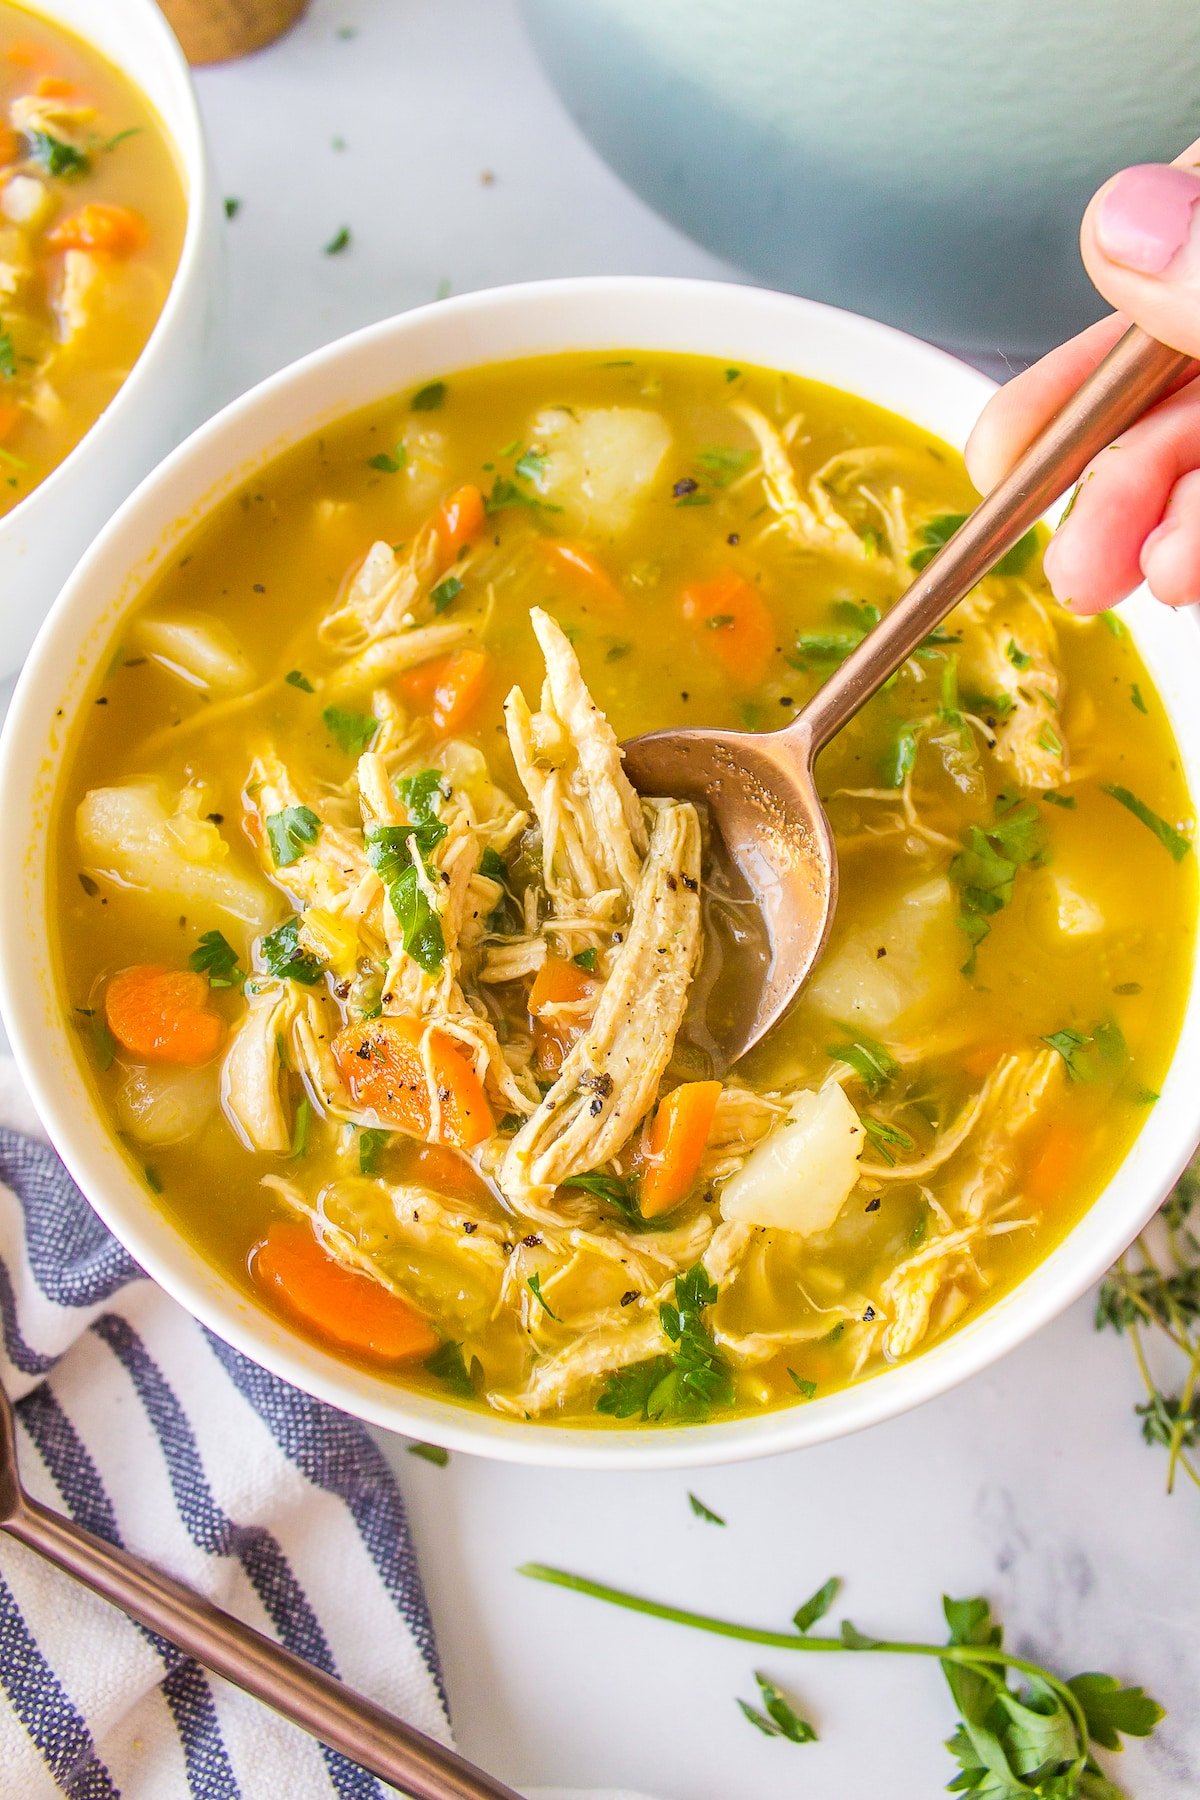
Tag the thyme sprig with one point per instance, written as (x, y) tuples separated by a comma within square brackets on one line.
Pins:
[(1152, 1296)]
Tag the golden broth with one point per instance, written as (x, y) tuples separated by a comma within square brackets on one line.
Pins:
[(92, 217), (999, 1002)]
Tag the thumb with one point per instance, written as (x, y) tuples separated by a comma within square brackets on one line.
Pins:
[(1141, 246)]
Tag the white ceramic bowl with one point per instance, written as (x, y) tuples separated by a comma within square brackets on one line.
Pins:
[(738, 325), (163, 395)]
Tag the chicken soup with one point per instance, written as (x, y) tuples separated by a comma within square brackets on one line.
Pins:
[(92, 217), (406, 1006)]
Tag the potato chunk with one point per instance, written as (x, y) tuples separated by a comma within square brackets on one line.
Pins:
[(598, 461), (885, 972), (801, 1175)]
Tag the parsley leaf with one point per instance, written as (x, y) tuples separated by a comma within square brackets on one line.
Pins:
[(429, 397), (722, 462), (444, 593), (873, 1065), (216, 957), (338, 242), (296, 679), (885, 1138), (506, 493), (985, 869), (778, 1719), (1172, 840), (1111, 1709), (1020, 659), (621, 1193), (803, 1386), (817, 1605), (585, 959), (686, 1383), (1090, 1054), (352, 731), (448, 1365), (421, 926), (389, 462), (430, 1453), (936, 532), (300, 1130), (900, 759), (534, 1284), (56, 156), (285, 959), (8, 355), (371, 1140), (289, 831), (704, 1512)]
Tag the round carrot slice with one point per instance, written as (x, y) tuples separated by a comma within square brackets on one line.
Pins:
[(163, 1015), (338, 1303), (381, 1063), (735, 623)]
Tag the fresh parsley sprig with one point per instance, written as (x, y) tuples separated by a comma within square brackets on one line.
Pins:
[(685, 1383), (1011, 1742)]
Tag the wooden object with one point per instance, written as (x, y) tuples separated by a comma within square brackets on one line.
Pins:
[(218, 30)]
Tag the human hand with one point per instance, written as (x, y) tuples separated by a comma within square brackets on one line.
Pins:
[(1137, 512)]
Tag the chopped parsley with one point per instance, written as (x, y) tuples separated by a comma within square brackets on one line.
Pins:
[(936, 533), (1066, 801), (444, 593), (352, 731), (389, 462), (874, 1066), (1020, 659), (284, 958), (295, 678), (901, 757), (429, 397), (534, 1284), (985, 869), (685, 1383), (1136, 696), (233, 206), (886, 1138), (430, 1453), (338, 242), (722, 462), (8, 355), (448, 1365), (216, 957), (1049, 739), (531, 467), (778, 1719), (389, 854), (371, 1140), (300, 1131), (506, 493), (1090, 1054), (803, 1386), (704, 1512), (585, 959), (56, 156), (289, 831), (1173, 841)]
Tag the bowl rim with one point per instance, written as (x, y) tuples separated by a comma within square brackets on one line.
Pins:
[(184, 132), (105, 586)]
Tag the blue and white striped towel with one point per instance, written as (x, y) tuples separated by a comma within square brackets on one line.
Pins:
[(150, 1431)]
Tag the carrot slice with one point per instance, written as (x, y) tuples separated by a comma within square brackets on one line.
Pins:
[(55, 87), (980, 1059), (458, 521), (678, 1136), (163, 1015), (381, 1063), (573, 560), (448, 688), (736, 623), (28, 53), (341, 1304), (1054, 1171), (556, 983), (10, 146), (108, 230), (10, 418)]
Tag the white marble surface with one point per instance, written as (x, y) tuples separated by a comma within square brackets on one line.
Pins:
[(1030, 1484)]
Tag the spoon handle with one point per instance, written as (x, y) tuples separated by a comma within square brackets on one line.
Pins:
[(318, 1703), (1136, 372)]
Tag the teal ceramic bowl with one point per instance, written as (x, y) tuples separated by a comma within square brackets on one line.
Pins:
[(923, 161)]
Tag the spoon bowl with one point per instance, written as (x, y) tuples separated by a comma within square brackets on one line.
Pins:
[(760, 790), (760, 796)]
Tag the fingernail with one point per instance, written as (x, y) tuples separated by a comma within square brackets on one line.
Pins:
[(1049, 560), (1145, 216)]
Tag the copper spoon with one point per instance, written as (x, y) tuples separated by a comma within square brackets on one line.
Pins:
[(760, 788), (317, 1702)]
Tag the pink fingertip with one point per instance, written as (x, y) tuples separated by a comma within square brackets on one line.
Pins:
[(1145, 216)]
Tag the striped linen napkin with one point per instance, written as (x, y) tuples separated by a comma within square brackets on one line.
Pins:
[(147, 1429)]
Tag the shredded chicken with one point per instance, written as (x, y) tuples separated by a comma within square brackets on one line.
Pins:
[(610, 1077), (569, 761)]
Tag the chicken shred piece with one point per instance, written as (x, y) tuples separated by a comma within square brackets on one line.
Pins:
[(609, 1078), (569, 761)]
